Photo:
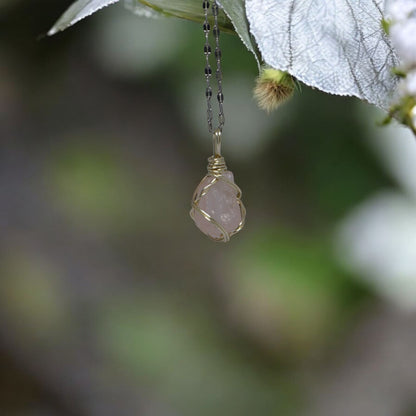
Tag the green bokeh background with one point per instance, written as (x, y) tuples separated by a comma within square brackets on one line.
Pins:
[(111, 301)]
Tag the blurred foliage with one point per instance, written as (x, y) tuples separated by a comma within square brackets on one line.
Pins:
[(288, 293), (176, 348), (111, 303)]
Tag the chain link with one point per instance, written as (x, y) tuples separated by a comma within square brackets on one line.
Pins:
[(208, 69)]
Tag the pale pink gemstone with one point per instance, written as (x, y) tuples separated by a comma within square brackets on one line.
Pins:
[(221, 203)]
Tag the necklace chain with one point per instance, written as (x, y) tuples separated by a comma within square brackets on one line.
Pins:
[(208, 69)]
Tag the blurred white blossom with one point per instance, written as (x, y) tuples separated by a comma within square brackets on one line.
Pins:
[(401, 15), (413, 115), (377, 240), (411, 82), (401, 23), (402, 18), (399, 10), (403, 36)]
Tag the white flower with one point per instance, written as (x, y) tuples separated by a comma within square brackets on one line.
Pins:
[(407, 86), (410, 82), (413, 116), (403, 36), (377, 240), (398, 10)]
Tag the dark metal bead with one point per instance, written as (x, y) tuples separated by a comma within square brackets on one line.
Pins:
[(207, 27), (205, 4), (208, 92), (215, 9), (220, 97), (207, 49), (218, 53), (208, 70), (216, 31)]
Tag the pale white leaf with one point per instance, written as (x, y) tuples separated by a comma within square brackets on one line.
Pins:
[(235, 10), (234, 17), (337, 46), (78, 11)]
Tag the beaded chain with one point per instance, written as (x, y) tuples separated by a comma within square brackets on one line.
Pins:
[(208, 70)]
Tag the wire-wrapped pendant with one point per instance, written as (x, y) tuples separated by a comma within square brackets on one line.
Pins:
[(217, 208)]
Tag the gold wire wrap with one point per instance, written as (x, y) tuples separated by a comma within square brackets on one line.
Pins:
[(216, 173), (216, 165), (225, 236)]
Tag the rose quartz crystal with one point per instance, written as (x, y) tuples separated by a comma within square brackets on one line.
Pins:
[(221, 203)]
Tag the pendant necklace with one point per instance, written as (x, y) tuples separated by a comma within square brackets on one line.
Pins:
[(217, 209)]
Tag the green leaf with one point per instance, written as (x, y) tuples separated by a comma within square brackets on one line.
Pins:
[(140, 9), (231, 18), (78, 11), (186, 9)]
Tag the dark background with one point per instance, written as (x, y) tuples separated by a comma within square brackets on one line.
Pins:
[(113, 303)]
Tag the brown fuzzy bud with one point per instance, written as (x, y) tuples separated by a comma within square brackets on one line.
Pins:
[(273, 87)]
